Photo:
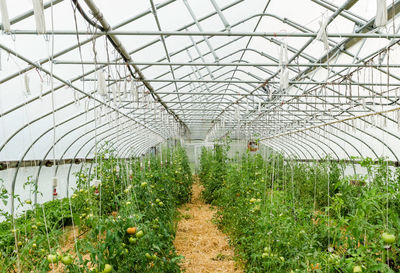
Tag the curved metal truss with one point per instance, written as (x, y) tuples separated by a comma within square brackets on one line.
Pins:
[(200, 71)]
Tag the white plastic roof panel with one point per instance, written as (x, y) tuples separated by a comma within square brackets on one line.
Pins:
[(199, 70)]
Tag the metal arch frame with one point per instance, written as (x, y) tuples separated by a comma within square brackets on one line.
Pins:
[(346, 133), (281, 19), (113, 136), (298, 141), (81, 43), (327, 154), (329, 148), (295, 146), (88, 141), (33, 65), (276, 17), (136, 72), (78, 138), (333, 151), (29, 148), (139, 151), (138, 142), (363, 120), (48, 114), (344, 140), (310, 146), (295, 55), (318, 109), (82, 146), (273, 145), (304, 46), (281, 144), (51, 128), (365, 133), (125, 145), (258, 53), (262, 54), (88, 40), (72, 86), (372, 150)]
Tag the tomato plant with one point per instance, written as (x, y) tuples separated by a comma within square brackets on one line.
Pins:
[(284, 215)]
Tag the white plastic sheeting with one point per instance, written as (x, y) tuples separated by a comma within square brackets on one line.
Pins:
[(132, 120)]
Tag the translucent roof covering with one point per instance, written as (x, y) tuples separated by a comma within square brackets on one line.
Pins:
[(199, 70)]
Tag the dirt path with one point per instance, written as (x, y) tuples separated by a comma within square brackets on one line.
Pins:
[(204, 246)]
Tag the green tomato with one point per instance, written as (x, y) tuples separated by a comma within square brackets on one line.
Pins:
[(34, 245), (161, 204), (148, 256), (158, 200), (67, 260), (139, 234), (265, 255), (28, 201), (388, 238), (34, 227), (132, 240), (52, 259), (107, 268), (357, 269), (19, 244)]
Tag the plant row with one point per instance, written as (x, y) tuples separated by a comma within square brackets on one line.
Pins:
[(286, 216), (120, 218)]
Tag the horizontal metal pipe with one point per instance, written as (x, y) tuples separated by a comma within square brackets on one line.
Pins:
[(230, 64), (211, 33), (261, 82), (233, 110), (274, 95), (266, 103)]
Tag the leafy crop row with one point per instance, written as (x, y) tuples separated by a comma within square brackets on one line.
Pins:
[(287, 216), (123, 224)]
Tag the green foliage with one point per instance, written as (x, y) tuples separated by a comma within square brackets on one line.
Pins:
[(142, 193), (287, 216)]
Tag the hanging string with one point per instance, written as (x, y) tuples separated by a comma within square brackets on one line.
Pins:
[(38, 11), (4, 16), (27, 82), (283, 62), (101, 83), (381, 14), (322, 35)]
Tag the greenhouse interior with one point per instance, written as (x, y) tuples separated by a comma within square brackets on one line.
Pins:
[(230, 136)]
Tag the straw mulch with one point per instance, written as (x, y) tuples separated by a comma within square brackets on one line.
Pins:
[(204, 246), (68, 245)]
